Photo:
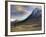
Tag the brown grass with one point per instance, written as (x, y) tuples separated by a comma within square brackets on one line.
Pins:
[(26, 26)]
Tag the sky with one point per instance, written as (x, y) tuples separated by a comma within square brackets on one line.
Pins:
[(16, 15)]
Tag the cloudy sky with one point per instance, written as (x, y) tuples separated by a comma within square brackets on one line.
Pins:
[(21, 12)]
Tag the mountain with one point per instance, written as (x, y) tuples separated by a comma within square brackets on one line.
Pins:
[(36, 12)]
